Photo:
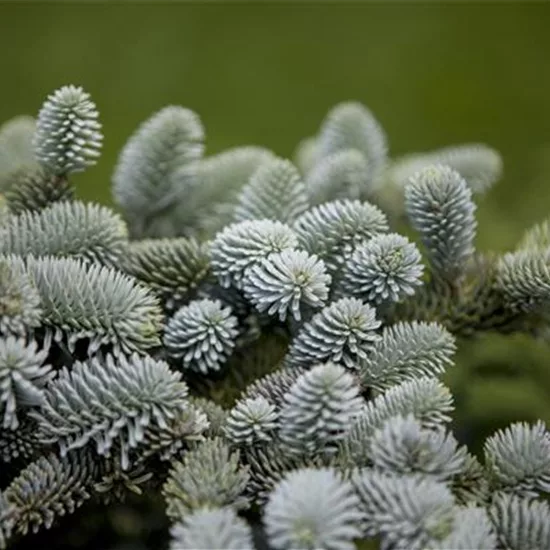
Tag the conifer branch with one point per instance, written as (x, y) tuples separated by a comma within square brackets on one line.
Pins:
[(68, 134)]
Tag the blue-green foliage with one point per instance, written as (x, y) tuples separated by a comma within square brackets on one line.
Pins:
[(258, 338), (201, 335), (440, 207), (68, 134)]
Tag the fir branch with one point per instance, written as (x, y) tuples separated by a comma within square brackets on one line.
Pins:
[(172, 268), (67, 229), (201, 335), (251, 422), (407, 351), (270, 464), (405, 511), (95, 302), (249, 363), (275, 192), (274, 386), (68, 135), (440, 207), (518, 458), (21, 444), (6, 521), (523, 280), (471, 486), (479, 164), (536, 238), (115, 484), (110, 403), (521, 522), (383, 270), (402, 446), (209, 476), (16, 150), (286, 283), (145, 186), (4, 211), (215, 415), (50, 488), (312, 509), (213, 185), (33, 190), (351, 125), (305, 154), (342, 332), (426, 399), (472, 529), (318, 410), (242, 245), (176, 435), (333, 230), (210, 529)]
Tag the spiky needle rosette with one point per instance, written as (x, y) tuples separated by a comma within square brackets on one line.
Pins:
[(286, 283), (402, 446), (405, 511), (251, 421), (343, 332), (426, 399), (333, 230), (210, 529), (518, 458), (385, 269), (202, 335), (318, 410), (68, 134), (440, 207), (241, 245), (313, 508)]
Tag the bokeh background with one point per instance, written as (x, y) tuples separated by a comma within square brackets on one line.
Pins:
[(266, 73)]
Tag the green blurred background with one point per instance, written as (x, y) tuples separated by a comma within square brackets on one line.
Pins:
[(266, 73)]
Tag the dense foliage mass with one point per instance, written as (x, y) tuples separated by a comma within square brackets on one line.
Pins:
[(255, 342)]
